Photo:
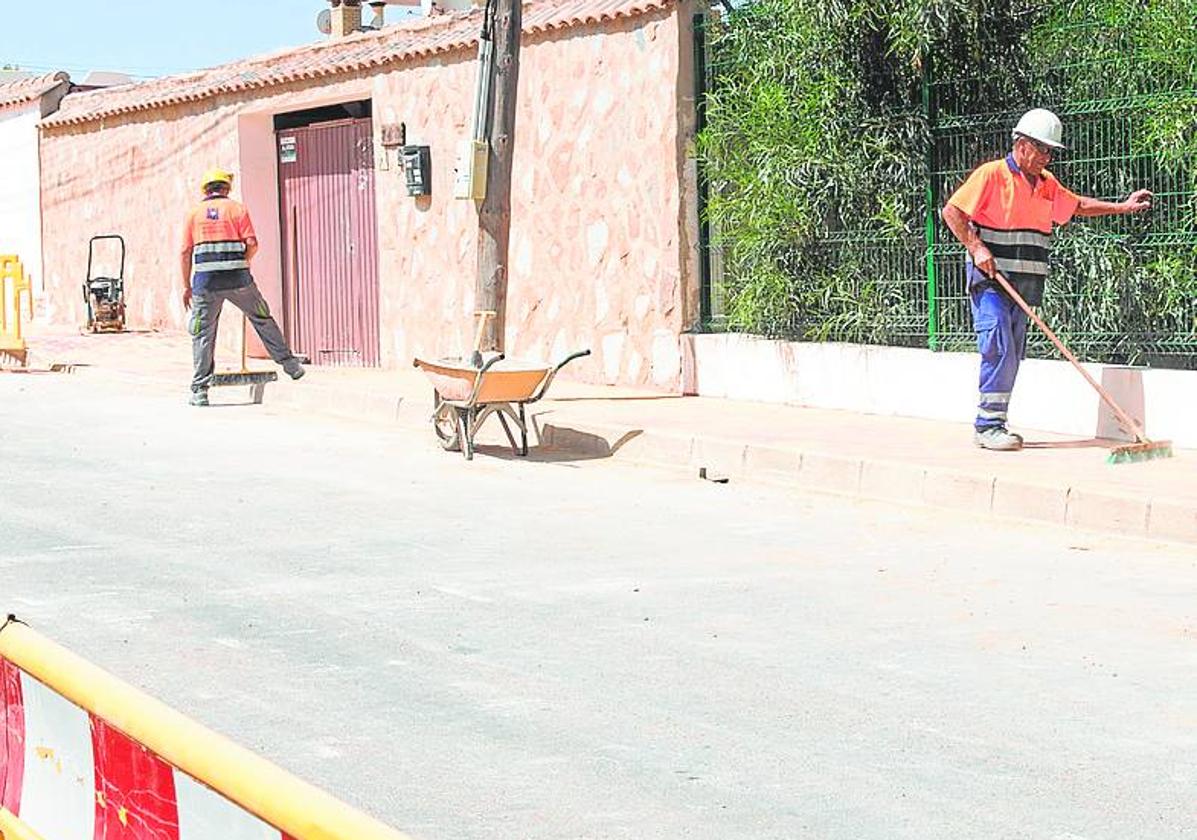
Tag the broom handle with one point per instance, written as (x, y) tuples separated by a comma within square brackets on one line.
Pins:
[(1128, 421), (483, 316), (244, 367)]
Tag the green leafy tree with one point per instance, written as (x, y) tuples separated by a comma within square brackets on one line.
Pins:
[(828, 122)]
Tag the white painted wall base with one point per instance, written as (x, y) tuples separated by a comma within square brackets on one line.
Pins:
[(20, 179), (1050, 396)]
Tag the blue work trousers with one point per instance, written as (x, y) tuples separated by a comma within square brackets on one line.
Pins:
[(1002, 340)]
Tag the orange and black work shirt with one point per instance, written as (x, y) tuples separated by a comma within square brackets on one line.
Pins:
[(216, 233), (1014, 215)]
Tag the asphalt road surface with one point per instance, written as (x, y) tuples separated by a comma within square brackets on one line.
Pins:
[(559, 649)]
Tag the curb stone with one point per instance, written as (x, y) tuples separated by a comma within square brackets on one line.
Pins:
[(894, 481)]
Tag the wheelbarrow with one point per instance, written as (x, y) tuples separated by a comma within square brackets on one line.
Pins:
[(465, 396)]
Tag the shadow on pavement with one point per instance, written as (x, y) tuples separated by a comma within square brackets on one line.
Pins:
[(566, 445)]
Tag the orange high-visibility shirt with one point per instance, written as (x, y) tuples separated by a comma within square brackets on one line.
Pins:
[(217, 219), (1015, 220), (217, 232)]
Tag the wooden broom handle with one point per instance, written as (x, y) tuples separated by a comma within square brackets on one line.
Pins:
[(483, 316), (1130, 422)]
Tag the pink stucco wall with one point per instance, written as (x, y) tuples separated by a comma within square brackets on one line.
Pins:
[(138, 176), (601, 247), (136, 179)]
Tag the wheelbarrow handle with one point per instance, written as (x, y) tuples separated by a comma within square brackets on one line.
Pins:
[(487, 365), (548, 380), (570, 358)]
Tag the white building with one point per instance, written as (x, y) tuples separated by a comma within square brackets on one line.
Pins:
[(24, 99)]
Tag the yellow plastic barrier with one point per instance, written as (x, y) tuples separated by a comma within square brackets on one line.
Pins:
[(11, 341), (300, 810)]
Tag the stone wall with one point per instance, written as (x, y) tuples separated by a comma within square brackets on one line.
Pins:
[(600, 247)]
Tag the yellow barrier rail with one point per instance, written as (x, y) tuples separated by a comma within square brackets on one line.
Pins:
[(297, 808), (12, 828)]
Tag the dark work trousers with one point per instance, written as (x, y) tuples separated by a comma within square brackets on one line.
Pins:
[(205, 318), (1002, 339)]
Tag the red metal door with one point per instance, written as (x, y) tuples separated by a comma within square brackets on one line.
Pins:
[(330, 242)]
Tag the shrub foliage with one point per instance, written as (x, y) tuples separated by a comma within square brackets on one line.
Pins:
[(835, 126)]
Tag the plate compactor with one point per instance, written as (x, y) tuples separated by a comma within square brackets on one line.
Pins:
[(105, 296)]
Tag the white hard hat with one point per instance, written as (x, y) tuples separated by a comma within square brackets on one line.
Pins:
[(1042, 125)]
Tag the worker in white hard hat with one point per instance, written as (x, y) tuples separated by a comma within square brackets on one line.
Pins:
[(218, 245), (1003, 214)]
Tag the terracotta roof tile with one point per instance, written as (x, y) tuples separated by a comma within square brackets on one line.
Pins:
[(361, 51), (21, 91)]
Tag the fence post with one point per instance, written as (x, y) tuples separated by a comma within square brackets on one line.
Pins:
[(701, 88), (929, 254)]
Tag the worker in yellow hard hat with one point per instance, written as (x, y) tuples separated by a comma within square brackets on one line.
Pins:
[(218, 245), (215, 177)]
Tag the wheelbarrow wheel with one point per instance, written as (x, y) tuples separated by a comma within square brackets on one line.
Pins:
[(444, 423)]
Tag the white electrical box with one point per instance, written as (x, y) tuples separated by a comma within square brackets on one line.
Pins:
[(473, 157)]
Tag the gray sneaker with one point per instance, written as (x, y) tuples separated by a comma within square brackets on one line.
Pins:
[(296, 371), (998, 439), (199, 398)]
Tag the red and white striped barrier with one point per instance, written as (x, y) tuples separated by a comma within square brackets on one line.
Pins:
[(69, 773), (70, 776)]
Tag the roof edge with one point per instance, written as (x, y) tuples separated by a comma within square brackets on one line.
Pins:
[(540, 17), (23, 91)]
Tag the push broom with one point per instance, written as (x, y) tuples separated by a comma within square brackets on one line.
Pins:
[(1143, 449), (255, 379)]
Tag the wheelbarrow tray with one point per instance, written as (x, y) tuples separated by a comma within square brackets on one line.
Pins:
[(454, 380), (465, 396)]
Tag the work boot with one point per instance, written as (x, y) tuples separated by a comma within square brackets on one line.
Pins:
[(998, 439), (295, 370), (199, 398)]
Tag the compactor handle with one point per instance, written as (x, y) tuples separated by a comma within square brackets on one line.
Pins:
[(91, 252)]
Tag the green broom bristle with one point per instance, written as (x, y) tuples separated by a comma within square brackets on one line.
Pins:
[(1137, 454)]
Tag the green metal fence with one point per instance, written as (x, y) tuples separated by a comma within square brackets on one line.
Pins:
[(1122, 290)]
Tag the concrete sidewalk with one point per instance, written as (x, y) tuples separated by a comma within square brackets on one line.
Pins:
[(1054, 480)]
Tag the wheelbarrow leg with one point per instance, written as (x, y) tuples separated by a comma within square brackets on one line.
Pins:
[(515, 450), (466, 418), (524, 430)]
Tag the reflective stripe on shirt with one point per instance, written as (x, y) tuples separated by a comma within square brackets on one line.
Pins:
[(1008, 266), (1017, 251), (1017, 237), (219, 256)]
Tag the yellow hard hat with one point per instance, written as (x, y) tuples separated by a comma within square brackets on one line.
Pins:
[(216, 176)]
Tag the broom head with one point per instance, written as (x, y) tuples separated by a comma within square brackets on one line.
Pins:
[(1144, 450)]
